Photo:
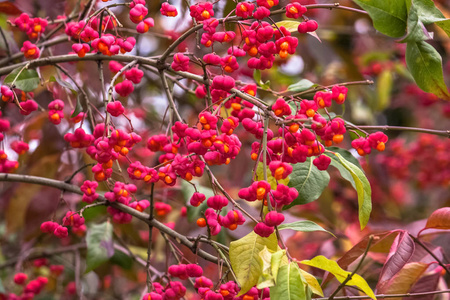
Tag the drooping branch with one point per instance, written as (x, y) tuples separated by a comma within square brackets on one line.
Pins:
[(122, 207)]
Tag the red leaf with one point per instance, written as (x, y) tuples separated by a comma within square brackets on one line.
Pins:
[(439, 219), (381, 244), (9, 8), (426, 284), (401, 251)]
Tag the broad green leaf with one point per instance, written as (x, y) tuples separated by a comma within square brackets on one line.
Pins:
[(384, 89), (425, 65), (27, 80), (301, 86), (427, 12), (278, 259), (270, 178), (331, 266), (99, 245), (415, 29), (312, 282), (121, 259), (308, 181), (290, 284), (304, 226), (245, 259), (291, 26), (257, 76), (389, 17), (359, 182)]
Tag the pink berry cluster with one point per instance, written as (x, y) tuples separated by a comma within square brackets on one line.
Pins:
[(33, 27)]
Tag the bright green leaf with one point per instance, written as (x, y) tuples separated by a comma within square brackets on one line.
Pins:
[(257, 76), (291, 26), (304, 226), (266, 279), (308, 181), (425, 65), (345, 154), (27, 80), (290, 284), (245, 259), (384, 89), (331, 266), (359, 182), (389, 17), (99, 245), (312, 282), (270, 178), (301, 86)]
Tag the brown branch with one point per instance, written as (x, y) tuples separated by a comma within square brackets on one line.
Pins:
[(122, 207), (382, 296)]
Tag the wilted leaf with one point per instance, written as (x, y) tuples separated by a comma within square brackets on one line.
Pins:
[(304, 226), (308, 181), (27, 80), (8, 8), (401, 251), (331, 266), (439, 219), (289, 284), (245, 260), (402, 282), (312, 283), (99, 245)]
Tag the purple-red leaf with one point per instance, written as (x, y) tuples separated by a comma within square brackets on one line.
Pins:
[(401, 251), (427, 283), (403, 280)]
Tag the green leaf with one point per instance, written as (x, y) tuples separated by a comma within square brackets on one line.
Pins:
[(270, 179), (301, 86), (245, 259), (359, 182), (64, 84), (2, 288), (257, 76), (345, 154), (331, 266), (121, 259), (304, 226), (99, 245), (384, 89), (78, 108), (27, 80), (415, 29), (312, 282), (389, 17), (308, 181), (290, 284), (425, 65), (427, 12), (266, 279), (291, 26)]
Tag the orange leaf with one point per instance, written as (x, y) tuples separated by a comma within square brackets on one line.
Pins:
[(9, 8), (439, 219)]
